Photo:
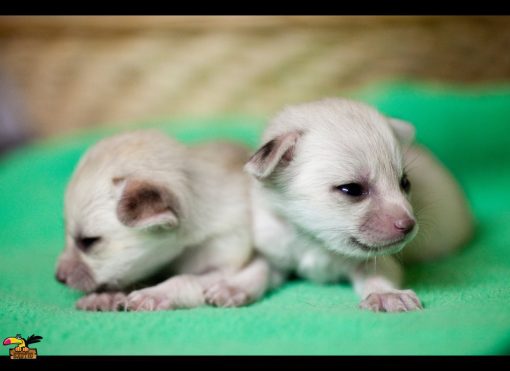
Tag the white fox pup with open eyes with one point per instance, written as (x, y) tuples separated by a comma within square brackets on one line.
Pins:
[(139, 203), (338, 188)]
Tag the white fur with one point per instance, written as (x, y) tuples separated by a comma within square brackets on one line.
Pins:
[(210, 241), (302, 225)]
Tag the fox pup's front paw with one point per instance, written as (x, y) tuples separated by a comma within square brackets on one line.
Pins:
[(224, 295), (394, 301), (149, 299), (104, 302)]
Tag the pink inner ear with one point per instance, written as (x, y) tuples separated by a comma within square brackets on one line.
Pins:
[(278, 151), (145, 204)]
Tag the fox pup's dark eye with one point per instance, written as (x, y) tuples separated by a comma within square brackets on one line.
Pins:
[(85, 243), (352, 189), (405, 184)]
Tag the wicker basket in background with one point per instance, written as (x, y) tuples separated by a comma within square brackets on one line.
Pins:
[(78, 72)]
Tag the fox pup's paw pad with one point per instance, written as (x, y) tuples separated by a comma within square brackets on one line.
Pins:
[(104, 302), (395, 301), (224, 295), (147, 300)]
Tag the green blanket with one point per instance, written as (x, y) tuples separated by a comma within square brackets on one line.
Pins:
[(467, 296)]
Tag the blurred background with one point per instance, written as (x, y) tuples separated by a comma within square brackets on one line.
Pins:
[(61, 75)]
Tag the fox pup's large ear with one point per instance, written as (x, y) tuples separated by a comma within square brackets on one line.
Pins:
[(277, 152), (143, 204), (404, 131)]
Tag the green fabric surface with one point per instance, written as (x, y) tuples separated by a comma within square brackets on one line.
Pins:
[(467, 296)]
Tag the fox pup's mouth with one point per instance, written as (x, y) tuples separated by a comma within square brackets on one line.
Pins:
[(377, 248)]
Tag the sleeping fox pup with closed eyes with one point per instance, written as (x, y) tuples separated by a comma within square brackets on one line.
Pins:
[(140, 203)]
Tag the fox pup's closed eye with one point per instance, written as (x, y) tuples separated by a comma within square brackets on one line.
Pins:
[(86, 243)]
